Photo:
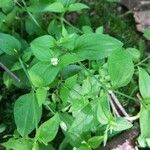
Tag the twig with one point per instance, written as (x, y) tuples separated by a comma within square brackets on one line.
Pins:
[(126, 13), (114, 108), (9, 72), (116, 101)]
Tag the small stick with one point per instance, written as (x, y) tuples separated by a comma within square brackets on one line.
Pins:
[(9, 72), (114, 109), (116, 101), (126, 13)]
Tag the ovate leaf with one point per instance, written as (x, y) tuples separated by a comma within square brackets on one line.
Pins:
[(18, 144), (96, 46), (9, 44), (42, 74), (77, 7), (39, 7), (95, 141), (144, 82), (144, 122), (135, 54), (120, 68), (144, 127), (70, 58), (121, 124), (6, 3), (41, 47), (70, 70), (56, 7), (48, 130), (27, 114)]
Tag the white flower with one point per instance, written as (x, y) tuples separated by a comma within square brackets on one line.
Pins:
[(63, 126), (54, 61)]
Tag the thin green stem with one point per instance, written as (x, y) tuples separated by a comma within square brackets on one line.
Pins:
[(125, 95), (26, 72), (144, 60), (68, 23), (25, 8)]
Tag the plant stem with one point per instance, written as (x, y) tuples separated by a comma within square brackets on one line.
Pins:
[(9, 72), (25, 8), (68, 23), (133, 118), (125, 95), (147, 58), (26, 72)]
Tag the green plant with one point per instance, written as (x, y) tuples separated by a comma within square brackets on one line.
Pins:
[(73, 75)]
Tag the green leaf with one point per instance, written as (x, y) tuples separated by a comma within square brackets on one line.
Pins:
[(121, 124), (100, 30), (41, 95), (66, 2), (120, 68), (96, 46), (95, 141), (144, 122), (147, 33), (84, 146), (112, 1), (77, 7), (83, 120), (9, 44), (144, 83), (41, 47), (2, 126), (65, 89), (56, 7), (42, 74), (18, 144), (87, 29), (103, 111), (6, 3), (70, 70), (66, 120), (48, 130), (27, 114), (69, 58), (144, 127), (135, 54)]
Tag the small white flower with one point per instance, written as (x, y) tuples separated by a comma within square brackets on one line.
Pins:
[(54, 61), (63, 126), (83, 142)]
